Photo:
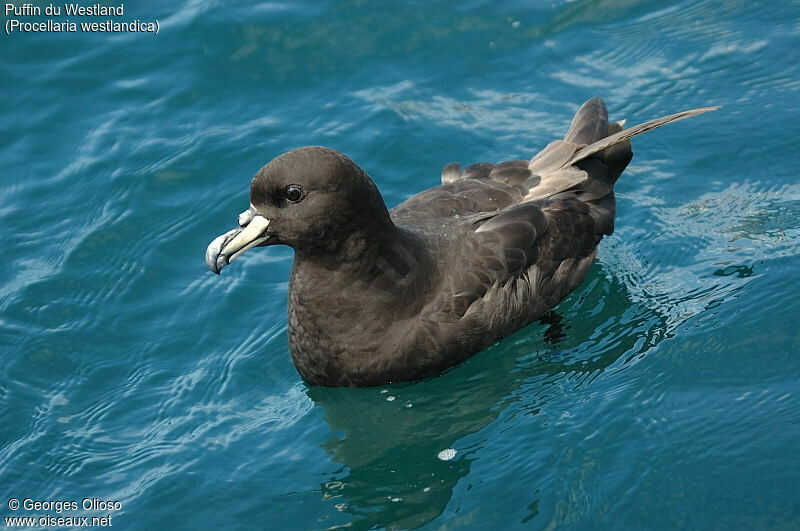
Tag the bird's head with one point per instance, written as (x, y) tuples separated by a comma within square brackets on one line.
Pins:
[(313, 199)]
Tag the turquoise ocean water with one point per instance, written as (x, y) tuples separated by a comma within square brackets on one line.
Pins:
[(131, 373)]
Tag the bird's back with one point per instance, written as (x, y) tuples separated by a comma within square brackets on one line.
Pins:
[(510, 240)]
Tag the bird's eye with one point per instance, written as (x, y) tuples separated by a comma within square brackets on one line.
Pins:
[(293, 193)]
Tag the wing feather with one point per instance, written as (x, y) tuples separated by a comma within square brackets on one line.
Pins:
[(626, 134), (556, 163)]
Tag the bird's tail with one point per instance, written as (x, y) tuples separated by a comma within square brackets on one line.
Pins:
[(613, 138), (589, 126), (589, 160), (566, 163)]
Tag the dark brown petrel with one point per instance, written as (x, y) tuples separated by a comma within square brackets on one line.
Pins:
[(379, 296)]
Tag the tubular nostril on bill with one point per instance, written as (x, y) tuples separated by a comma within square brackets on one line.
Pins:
[(245, 217)]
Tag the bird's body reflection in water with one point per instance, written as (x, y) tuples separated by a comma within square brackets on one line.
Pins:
[(388, 440)]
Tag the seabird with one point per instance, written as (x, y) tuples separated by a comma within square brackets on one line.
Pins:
[(379, 296)]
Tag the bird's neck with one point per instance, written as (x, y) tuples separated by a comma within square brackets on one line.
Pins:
[(385, 263), (342, 307)]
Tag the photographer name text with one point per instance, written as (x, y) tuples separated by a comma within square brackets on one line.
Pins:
[(57, 513)]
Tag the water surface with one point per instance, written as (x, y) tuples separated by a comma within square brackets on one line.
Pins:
[(132, 373)]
